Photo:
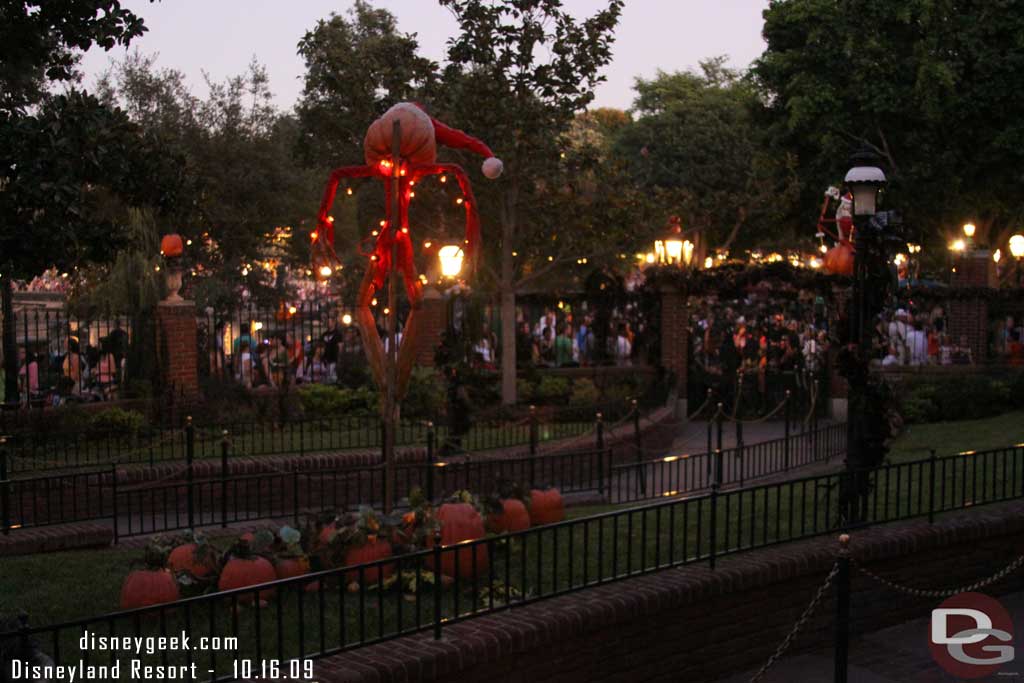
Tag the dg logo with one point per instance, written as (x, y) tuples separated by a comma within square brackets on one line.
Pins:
[(971, 635)]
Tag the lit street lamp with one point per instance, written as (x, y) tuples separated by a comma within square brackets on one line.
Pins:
[(969, 230), (671, 248), (865, 181), (1017, 251)]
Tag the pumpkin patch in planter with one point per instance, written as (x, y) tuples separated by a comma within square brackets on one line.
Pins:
[(546, 506), (507, 508), (192, 555), (154, 584), (290, 556), (245, 567), (362, 537), (461, 520)]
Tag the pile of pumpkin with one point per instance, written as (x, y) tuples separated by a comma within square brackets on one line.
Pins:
[(188, 564)]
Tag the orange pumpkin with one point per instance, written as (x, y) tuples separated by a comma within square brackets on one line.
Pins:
[(513, 517), (417, 145), (460, 522), (290, 567), (240, 572), (171, 245), (839, 259), (145, 587), (183, 559), (546, 507), (377, 549)]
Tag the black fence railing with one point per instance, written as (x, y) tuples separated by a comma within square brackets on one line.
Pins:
[(65, 359), (183, 501), (341, 609), (39, 450)]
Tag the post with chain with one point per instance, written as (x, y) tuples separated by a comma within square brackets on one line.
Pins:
[(224, 445), (190, 444), (5, 489), (842, 610), (430, 462), (719, 467), (438, 585), (785, 438), (599, 429), (114, 510), (533, 430), (931, 486), (814, 416)]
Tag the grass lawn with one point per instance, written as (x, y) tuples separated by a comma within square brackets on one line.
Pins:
[(948, 438)]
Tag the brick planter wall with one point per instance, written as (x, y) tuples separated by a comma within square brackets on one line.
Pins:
[(699, 624)]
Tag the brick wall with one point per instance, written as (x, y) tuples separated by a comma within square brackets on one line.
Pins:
[(433, 320), (700, 624), (969, 317), (177, 341), (675, 335)]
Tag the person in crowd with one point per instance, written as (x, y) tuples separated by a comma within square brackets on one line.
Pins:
[(244, 366), (623, 349), (72, 370), (898, 330), (316, 369), (547, 346), (564, 347), (917, 344), (28, 374)]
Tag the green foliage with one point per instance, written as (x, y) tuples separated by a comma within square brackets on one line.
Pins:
[(323, 400), (961, 398), (426, 395), (584, 392), (925, 82), (525, 390), (552, 389), (116, 422)]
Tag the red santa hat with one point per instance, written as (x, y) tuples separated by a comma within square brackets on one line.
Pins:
[(450, 137)]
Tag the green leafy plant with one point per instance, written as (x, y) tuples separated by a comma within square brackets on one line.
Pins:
[(584, 392), (552, 389), (116, 422), (426, 395)]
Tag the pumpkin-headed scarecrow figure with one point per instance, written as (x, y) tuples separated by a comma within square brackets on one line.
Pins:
[(419, 136)]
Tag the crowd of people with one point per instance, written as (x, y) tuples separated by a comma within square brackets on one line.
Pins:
[(751, 351), (561, 338), (917, 337)]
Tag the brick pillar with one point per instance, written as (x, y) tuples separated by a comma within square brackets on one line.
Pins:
[(176, 339), (969, 317), (433, 316), (675, 341)]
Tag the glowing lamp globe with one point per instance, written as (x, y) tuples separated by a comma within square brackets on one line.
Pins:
[(450, 258), (1017, 246), (171, 246), (865, 180)]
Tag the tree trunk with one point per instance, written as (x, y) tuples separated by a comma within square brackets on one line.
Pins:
[(507, 288)]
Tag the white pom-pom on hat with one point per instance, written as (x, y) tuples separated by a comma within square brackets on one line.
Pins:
[(493, 167)]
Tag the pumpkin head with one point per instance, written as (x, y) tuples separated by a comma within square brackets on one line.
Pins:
[(171, 246), (152, 585), (460, 522), (417, 146), (546, 506), (839, 259)]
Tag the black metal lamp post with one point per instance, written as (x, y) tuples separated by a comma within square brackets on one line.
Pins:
[(864, 180), (1017, 252)]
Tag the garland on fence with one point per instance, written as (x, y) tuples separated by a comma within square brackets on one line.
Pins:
[(736, 280)]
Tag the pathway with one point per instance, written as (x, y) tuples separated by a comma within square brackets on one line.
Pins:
[(892, 655)]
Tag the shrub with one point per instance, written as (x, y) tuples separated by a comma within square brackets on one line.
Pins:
[(961, 398), (525, 390), (322, 400), (426, 395), (584, 393), (552, 388), (116, 422)]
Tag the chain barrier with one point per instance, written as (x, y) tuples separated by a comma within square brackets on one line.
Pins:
[(800, 623), (814, 403), (945, 593), (764, 418)]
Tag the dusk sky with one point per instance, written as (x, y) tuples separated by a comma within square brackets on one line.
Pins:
[(222, 37)]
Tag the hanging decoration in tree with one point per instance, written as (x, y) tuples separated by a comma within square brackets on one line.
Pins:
[(419, 136), (839, 259)]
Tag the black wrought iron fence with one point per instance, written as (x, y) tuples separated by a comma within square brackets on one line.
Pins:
[(40, 450), (340, 609)]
